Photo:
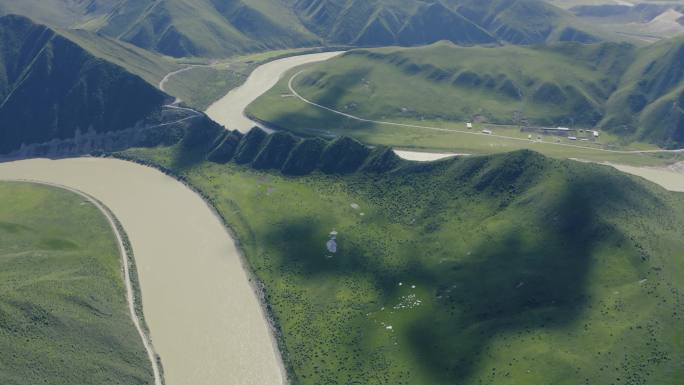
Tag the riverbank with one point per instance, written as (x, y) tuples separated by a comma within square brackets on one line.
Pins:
[(206, 323)]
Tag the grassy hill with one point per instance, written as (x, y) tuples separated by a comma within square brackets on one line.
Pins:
[(631, 92), (63, 312), (512, 268)]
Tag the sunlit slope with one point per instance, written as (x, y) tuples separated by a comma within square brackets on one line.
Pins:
[(63, 312), (218, 28), (512, 268), (633, 92)]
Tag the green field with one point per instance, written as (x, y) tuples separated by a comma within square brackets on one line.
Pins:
[(63, 312), (505, 269), (442, 85)]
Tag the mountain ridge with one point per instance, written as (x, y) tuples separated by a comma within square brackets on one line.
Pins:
[(56, 97)]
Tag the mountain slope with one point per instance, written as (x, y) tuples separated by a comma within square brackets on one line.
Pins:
[(412, 22), (57, 99), (512, 268), (208, 28), (650, 100), (51, 88)]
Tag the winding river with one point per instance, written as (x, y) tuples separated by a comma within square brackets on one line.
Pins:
[(229, 111)]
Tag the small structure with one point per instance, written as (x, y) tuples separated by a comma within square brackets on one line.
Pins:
[(469, 125)]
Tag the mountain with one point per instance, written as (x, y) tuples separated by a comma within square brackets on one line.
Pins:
[(64, 316), (650, 100), (412, 22), (220, 28), (206, 28), (54, 92), (524, 21)]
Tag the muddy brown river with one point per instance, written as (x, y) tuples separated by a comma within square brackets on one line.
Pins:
[(205, 320)]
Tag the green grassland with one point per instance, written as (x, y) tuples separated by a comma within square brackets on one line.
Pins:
[(63, 311), (502, 269), (582, 86)]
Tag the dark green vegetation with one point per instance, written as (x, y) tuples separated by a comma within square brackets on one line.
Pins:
[(63, 312), (56, 98), (52, 88), (511, 268), (635, 93), (219, 28), (294, 156)]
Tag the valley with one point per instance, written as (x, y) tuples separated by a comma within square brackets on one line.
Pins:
[(307, 192), (397, 96)]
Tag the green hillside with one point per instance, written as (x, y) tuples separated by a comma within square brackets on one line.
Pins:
[(63, 312), (512, 268), (631, 92), (650, 100)]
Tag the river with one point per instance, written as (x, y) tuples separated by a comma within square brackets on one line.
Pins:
[(205, 320), (229, 110)]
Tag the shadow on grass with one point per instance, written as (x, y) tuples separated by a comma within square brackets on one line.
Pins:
[(329, 97), (521, 279)]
